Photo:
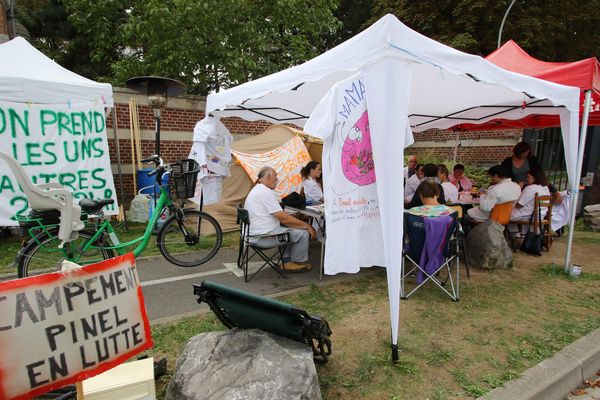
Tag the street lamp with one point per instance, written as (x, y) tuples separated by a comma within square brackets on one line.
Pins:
[(157, 89), (502, 24)]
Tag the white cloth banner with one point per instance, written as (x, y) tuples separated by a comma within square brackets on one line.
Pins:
[(55, 143), (363, 121)]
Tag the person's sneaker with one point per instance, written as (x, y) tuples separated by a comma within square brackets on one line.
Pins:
[(296, 267)]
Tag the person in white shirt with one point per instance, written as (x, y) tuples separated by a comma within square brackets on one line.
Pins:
[(523, 209), (503, 190), (311, 173), (411, 167), (413, 183), (267, 217), (450, 191)]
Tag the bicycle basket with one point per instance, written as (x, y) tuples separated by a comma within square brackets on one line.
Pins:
[(184, 175)]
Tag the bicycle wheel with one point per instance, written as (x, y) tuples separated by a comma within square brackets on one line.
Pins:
[(42, 255), (189, 238)]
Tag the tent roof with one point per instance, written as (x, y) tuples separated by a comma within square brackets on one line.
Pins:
[(448, 87), (584, 74), (28, 76)]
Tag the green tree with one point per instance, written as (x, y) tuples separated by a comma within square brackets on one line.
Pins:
[(207, 45), (550, 30), (52, 33)]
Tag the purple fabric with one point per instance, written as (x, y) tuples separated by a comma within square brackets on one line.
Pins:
[(436, 230)]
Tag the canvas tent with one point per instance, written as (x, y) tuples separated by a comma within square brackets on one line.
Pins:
[(237, 186), (440, 87), (51, 118)]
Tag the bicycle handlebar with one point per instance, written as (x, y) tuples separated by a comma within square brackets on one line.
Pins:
[(156, 170), (155, 159)]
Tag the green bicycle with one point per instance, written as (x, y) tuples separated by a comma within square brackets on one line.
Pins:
[(188, 238)]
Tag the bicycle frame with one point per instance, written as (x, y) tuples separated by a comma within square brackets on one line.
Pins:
[(106, 227)]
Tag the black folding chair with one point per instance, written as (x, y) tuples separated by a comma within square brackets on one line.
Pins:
[(249, 247), (236, 308), (415, 245)]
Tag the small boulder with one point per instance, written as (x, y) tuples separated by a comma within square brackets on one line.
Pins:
[(244, 364), (487, 248), (591, 217)]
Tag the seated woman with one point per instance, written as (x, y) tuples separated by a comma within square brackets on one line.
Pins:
[(429, 193), (536, 183), (458, 179), (311, 175), (450, 191)]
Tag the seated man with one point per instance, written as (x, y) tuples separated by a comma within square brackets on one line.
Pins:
[(429, 193), (459, 179), (503, 190), (267, 217), (430, 172)]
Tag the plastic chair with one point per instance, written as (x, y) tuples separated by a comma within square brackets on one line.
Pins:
[(248, 244), (501, 213), (416, 235), (48, 196), (538, 221), (236, 308)]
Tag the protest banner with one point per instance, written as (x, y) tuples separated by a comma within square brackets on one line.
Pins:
[(64, 143), (61, 328)]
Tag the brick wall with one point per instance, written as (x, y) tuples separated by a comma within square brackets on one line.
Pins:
[(179, 118), (3, 24)]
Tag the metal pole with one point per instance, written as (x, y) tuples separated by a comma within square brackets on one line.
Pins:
[(575, 185), (118, 149), (503, 20), (157, 131)]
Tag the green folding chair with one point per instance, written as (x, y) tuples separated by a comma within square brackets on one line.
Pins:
[(237, 308)]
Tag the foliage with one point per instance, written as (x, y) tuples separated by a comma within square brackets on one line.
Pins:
[(207, 45), (549, 30)]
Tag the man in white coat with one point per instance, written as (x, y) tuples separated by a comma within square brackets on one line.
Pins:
[(267, 217), (503, 190)]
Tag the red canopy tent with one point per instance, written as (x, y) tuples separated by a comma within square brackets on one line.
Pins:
[(584, 74)]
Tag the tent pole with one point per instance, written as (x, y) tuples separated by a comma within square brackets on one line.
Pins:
[(118, 151), (575, 185)]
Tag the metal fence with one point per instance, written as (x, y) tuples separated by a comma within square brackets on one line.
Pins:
[(547, 145)]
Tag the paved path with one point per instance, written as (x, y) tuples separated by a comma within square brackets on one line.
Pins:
[(168, 291)]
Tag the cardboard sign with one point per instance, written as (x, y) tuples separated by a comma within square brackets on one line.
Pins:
[(64, 143), (64, 327)]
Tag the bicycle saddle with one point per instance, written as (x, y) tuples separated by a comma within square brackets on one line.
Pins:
[(93, 206)]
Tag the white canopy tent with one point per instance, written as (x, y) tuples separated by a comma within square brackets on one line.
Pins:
[(445, 87), (28, 76)]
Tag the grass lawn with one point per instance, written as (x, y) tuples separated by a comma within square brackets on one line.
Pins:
[(504, 323), (10, 246)]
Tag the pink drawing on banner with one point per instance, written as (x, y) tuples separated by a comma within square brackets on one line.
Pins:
[(357, 154)]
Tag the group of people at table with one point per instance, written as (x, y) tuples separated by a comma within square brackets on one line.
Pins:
[(429, 189)]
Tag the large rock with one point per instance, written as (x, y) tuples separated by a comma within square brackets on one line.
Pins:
[(591, 217), (487, 247), (244, 364)]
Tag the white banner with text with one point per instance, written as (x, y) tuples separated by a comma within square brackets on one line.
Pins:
[(55, 143)]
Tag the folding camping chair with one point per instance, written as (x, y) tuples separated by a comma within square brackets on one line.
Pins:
[(236, 308), (417, 237), (249, 243)]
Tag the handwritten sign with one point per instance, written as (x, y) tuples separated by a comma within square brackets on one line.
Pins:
[(63, 327), (287, 160), (55, 143)]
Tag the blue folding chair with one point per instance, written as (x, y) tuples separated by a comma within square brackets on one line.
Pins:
[(415, 244)]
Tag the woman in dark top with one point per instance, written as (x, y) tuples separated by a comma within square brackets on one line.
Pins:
[(430, 171), (520, 163)]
